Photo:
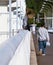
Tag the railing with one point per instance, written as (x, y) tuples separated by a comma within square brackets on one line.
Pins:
[(16, 50), (4, 35)]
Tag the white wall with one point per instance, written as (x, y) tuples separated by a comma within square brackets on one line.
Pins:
[(16, 50), (3, 18)]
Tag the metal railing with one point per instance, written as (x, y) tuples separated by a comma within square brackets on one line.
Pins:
[(4, 35)]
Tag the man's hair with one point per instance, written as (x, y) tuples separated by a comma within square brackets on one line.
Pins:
[(42, 24)]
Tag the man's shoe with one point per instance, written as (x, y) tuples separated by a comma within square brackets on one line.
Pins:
[(43, 54), (40, 54)]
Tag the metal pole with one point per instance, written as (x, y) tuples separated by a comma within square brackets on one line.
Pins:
[(45, 19), (12, 32), (9, 18), (20, 14), (52, 16), (38, 17), (16, 15)]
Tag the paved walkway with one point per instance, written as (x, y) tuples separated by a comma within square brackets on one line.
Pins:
[(33, 59), (48, 59)]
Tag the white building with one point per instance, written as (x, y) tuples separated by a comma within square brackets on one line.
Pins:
[(10, 21)]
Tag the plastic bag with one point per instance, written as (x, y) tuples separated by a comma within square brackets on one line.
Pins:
[(47, 43)]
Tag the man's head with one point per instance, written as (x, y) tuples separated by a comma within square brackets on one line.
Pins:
[(42, 24)]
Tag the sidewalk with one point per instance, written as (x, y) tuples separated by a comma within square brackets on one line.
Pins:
[(33, 58), (48, 59)]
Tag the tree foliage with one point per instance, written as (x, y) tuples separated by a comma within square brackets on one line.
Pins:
[(37, 4), (34, 4)]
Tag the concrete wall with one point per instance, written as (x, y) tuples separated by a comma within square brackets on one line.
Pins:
[(16, 50)]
